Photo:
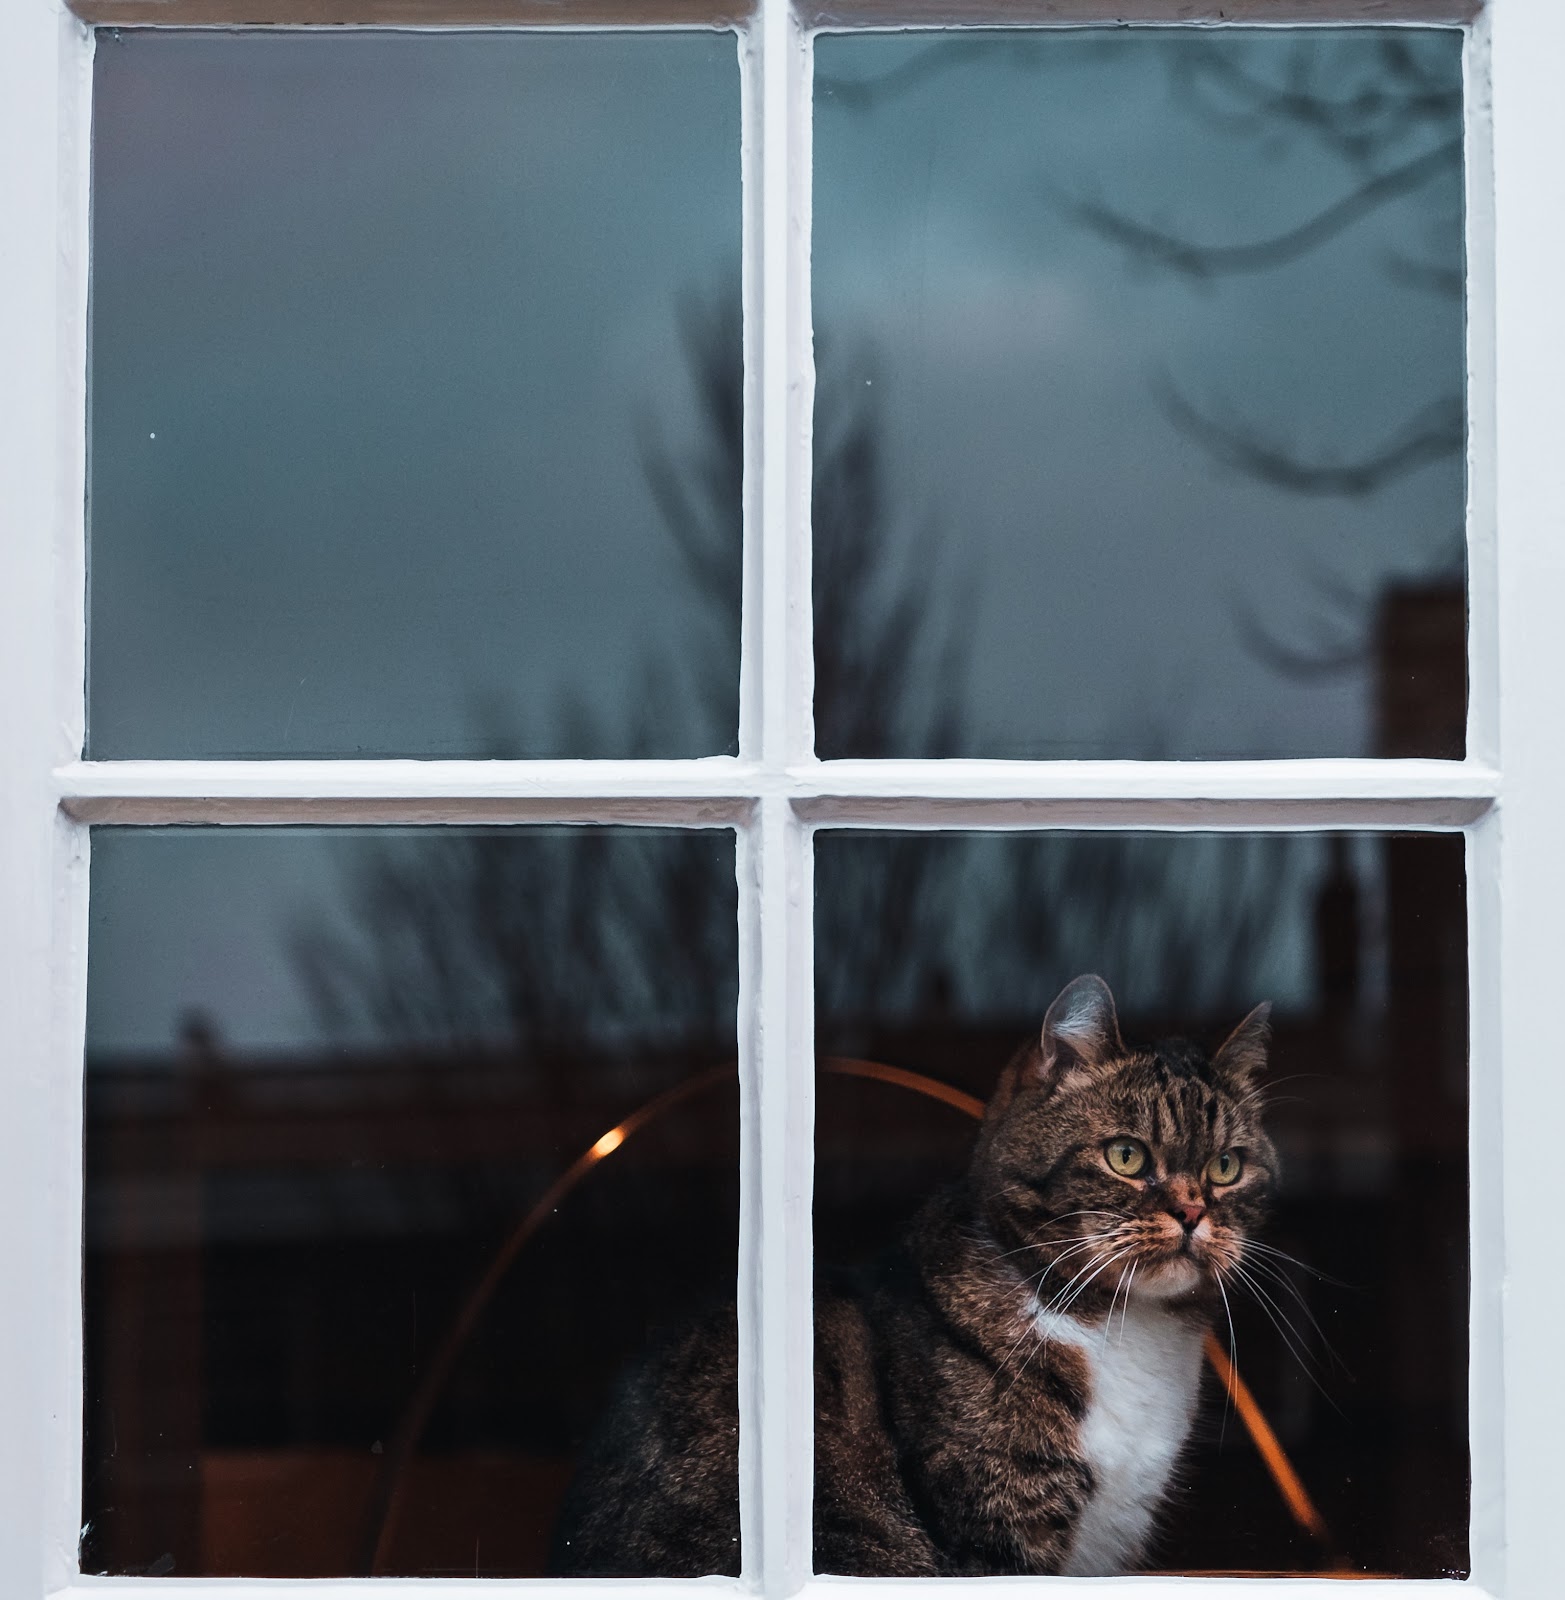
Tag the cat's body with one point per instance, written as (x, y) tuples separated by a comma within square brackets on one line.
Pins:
[(1010, 1389)]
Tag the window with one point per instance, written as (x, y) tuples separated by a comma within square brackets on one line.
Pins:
[(171, 787)]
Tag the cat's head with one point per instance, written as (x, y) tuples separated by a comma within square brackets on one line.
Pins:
[(1114, 1167)]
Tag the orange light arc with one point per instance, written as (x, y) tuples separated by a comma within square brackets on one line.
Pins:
[(386, 1500)]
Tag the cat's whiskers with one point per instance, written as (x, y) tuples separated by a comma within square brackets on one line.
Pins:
[(1033, 1281), (1247, 1272), (1039, 1310), (1233, 1354), (1135, 1268), (1031, 1309), (1062, 1303), (1063, 1310), (1065, 1216), (1108, 1321), (1286, 1331), (1290, 1336), (1115, 1235), (1073, 1247), (1275, 1275), (1293, 1261), (1267, 1091)]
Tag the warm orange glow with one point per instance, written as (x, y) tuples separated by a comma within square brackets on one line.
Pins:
[(1272, 1452), (387, 1498), (847, 1067)]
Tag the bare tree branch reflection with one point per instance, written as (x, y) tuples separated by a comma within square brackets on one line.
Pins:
[(475, 939), (1392, 115), (1337, 645), (1377, 118), (1167, 250), (1438, 431), (890, 662), (589, 936), (1432, 277), (467, 939), (1358, 106), (698, 487), (1183, 929), (1367, 108)]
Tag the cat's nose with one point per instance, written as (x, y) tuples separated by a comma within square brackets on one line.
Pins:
[(1189, 1213)]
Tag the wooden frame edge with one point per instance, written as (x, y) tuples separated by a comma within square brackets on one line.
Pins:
[(829, 15), (413, 13)]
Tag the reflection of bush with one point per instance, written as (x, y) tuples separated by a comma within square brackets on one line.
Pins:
[(1181, 924), (542, 937), (592, 934)]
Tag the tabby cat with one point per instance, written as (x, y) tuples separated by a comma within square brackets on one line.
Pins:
[(1010, 1390)]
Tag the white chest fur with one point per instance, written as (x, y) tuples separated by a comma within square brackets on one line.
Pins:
[(1146, 1373)]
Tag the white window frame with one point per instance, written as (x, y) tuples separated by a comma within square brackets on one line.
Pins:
[(774, 794)]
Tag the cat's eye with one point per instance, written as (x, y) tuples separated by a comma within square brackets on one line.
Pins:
[(1225, 1168), (1127, 1157)]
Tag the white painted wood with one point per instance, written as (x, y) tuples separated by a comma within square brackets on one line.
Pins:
[(1126, 794), (41, 321), (1155, 815), (831, 15), (1146, 780), (783, 1415), (723, 13), (1528, 47), (443, 14), (723, 791), (786, 1053), (717, 788), (747, 857), (62, 1464), (60, 1291), (1483, 677), (776, 793)]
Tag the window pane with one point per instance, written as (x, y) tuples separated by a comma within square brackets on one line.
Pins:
[(415, 372), (338, 1318), (1348, 1307), (1140, 420)]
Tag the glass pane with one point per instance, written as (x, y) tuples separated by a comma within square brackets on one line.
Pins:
[(365, 1260), (1140, 418), (415, 377), (1344, 1308)]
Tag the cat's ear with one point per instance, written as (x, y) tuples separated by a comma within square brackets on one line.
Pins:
[(1081, 1030), (1241, 1058)]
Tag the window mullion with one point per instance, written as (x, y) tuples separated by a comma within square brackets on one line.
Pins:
[(776, 1046), (776, 1027)]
